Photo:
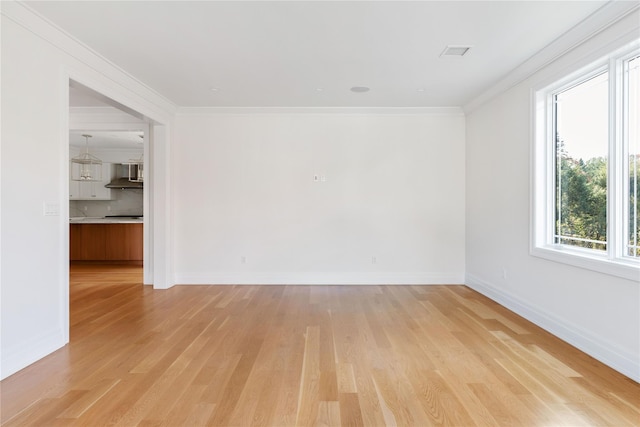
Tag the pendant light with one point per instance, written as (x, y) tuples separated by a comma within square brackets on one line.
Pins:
[(136, 167), (85, 166)]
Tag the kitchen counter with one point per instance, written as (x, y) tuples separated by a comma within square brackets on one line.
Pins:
[(106, 239), (107, 220)]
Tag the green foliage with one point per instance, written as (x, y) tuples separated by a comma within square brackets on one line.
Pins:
[(634, 205), (581, 208)]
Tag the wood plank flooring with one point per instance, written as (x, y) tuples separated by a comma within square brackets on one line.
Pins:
[(307, 355)]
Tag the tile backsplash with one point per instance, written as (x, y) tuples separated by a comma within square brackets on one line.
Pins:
[(125, 202)]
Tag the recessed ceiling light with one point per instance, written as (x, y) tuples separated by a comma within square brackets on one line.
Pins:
[(360, 89), (214, 89), (319, 89), (452, 50), (421, 89)]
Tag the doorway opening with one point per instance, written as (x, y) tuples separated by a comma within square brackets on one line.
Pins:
[(109, 214)]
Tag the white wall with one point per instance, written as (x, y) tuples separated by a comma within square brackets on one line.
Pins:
[(598, 313), (34, 170), (394, 190), (32, 286)]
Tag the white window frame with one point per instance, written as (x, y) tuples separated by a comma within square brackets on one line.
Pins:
[(612, 261)]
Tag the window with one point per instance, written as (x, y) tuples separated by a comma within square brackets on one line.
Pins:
[(581, 144), (632, 173), (586, 174)]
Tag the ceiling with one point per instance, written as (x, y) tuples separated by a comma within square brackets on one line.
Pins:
[(110, 140), (78, 97), (310, 53)]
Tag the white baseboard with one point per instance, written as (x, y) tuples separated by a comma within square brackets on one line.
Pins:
[(324, 278), (23, 355), (597, 347)]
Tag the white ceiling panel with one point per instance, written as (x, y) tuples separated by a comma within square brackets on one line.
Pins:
[(309, 54), (110, 140)]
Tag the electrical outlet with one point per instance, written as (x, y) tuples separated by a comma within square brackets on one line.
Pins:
[(374, 260), (243, 260)]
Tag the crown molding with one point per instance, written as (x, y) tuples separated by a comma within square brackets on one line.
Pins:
[(594, 24), (391, 111), (131, 91)]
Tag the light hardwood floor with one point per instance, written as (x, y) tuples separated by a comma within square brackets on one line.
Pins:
[(307, 355)]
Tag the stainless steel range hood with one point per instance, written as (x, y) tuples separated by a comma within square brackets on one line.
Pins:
[(127, 175), (124, 183)]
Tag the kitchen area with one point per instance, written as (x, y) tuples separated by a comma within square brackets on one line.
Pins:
[(106, 196)]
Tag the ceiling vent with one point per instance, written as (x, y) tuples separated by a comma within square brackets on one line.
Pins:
[(360, 89), (455, 50)]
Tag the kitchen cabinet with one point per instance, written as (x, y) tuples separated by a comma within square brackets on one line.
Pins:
[(82, 190), (106, 242), (87, 242), (123, 242)]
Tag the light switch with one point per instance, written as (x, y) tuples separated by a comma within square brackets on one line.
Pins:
[(51, 209)]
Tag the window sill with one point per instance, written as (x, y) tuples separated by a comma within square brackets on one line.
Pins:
[(619, 267)]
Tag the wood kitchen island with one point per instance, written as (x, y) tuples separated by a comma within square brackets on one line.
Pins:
[(120, 242)]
